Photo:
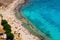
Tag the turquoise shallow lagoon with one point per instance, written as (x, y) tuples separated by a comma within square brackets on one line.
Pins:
[(45, 15)]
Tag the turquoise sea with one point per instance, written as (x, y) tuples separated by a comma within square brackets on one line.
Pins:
[(45, 15)]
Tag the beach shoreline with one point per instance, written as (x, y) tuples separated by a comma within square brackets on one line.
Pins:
[(31, 28)]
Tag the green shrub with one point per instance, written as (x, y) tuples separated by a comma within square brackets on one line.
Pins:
[(10, 35), (7, 28), (4, 22), (8, 31)]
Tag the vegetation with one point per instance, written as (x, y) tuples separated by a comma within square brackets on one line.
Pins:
[(10, 36), (4, 22), (7, 28)]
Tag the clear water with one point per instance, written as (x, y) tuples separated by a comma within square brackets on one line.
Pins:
[(45, 15)]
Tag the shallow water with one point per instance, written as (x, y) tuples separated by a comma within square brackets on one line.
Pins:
[(45, 15)]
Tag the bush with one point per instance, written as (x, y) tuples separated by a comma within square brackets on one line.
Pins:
[(4, 22), (8, 31), (10, 35), (7, 28)]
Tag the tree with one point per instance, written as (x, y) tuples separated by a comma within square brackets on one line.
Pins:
[(7, 28), (4, 22), (10, 36)]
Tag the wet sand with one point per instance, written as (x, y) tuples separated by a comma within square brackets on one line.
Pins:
[(28, 25)]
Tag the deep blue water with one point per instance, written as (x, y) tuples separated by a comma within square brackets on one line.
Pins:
[(45, 15)]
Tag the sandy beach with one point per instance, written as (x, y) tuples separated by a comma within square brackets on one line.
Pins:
[(8, 13)]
